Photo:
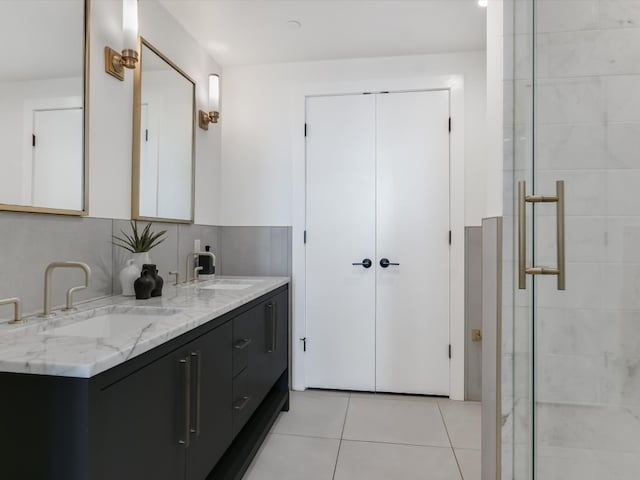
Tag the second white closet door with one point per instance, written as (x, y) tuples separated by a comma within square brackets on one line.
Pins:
[(412, 300)]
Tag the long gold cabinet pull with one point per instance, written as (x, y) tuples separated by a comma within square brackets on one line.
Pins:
[(523, 270)]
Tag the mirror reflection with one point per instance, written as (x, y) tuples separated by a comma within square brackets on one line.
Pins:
[(42, 112), (163, 178)]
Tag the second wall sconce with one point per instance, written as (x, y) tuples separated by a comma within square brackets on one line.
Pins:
[(115, 62), (205, 118)]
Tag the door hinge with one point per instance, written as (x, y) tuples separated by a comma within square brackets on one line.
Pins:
[(449, 350), (146, 135), (304, 344), (305, 129), (450, 237), (449, 123), (33, 140), (305, 237)]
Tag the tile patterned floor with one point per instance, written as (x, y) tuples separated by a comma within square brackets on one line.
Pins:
[(358, 436)]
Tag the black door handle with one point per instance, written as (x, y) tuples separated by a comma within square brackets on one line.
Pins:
[(384, 263), (366, 263)]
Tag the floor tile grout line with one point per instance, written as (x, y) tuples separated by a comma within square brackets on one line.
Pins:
[(344, 422), (453, 450), (384, 442)]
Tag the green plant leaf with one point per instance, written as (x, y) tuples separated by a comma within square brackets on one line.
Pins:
[(137, 241)]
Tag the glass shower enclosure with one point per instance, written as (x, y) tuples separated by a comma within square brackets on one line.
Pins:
[(571, 399)]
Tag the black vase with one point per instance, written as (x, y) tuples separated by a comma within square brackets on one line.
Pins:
[(144, 285), (153, 272)]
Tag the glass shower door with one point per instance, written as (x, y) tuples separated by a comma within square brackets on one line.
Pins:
[(579, 377)]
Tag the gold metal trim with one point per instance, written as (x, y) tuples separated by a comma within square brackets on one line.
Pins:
[(116, 62), (523, 270), (500, 226), (86, 110), (113, 63), (204, 119), (135, 173), (522, 237)]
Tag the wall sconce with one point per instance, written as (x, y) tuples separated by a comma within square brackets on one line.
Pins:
[(115, 62), (214, 104)]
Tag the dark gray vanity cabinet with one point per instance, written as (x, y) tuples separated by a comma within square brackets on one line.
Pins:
[(172, 416), (197, 407), (260, 354), (269, 358)]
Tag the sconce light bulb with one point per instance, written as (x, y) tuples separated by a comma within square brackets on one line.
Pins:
[(130, 24), (214, 93)]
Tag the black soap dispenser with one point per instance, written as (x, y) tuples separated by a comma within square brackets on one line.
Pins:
[(206, 262)]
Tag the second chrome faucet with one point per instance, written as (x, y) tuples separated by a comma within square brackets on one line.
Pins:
[(196, 269)]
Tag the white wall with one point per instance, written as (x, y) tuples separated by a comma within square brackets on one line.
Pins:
[(111, 111), (495, 108), (258, 121)]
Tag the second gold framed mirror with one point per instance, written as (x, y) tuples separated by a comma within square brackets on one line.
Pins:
[(163, 139)]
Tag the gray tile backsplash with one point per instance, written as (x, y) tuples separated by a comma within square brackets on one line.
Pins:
[(255, 250), (29, 242)]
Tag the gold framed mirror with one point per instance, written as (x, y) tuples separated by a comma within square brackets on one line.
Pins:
[(163, 140), (44, 106)]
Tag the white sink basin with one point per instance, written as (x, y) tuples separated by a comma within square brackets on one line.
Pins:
[(227, 285), (111, 324)]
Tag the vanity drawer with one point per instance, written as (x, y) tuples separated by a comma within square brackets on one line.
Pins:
[(242, 342), (243, 405)]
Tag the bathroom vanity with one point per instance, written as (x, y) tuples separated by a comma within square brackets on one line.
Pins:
[(185, 386)]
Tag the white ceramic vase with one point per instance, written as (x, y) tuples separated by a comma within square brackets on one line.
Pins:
[(140, 259), (128, 276)]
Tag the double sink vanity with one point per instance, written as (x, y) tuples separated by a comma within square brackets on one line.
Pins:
[(185, 385)]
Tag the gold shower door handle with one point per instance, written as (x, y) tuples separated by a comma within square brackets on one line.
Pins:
[(523, 270)]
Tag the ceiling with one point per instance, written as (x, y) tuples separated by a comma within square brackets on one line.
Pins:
[(241, 32)]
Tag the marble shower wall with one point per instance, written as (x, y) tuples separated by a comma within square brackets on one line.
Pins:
[(587, 132), (29, 242)]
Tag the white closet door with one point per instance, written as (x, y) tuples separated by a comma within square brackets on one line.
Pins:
[(58, 173), (412, 322), (341, 231)]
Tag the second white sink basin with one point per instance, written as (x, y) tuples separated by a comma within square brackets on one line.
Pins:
[(112, 324)]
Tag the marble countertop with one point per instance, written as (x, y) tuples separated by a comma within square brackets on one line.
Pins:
[(31, 347)]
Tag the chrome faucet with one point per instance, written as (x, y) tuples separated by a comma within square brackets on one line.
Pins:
[(47, 284), (177, 274), (190, 264), (196, 271), (17, 308)]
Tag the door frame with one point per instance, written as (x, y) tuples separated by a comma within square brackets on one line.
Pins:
[(455, 85)]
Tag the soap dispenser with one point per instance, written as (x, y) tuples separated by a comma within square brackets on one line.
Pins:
[(206, 262)]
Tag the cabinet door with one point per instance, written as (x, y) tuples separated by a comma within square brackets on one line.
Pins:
[(277, 321), (211, 395), (269, 350), (144, 421)]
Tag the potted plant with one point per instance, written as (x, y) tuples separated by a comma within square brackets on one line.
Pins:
[(139, 244)]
